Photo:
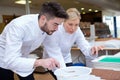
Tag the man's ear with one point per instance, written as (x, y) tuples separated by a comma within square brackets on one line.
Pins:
[(42, 19)]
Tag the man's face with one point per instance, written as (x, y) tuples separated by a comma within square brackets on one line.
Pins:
[(51, 25)]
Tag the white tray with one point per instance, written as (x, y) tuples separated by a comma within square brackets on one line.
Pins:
[(105, 65)]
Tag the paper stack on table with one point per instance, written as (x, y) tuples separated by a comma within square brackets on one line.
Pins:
[(117, 54), (107, 62)]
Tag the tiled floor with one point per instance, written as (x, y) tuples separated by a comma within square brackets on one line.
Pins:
[(38, 76)]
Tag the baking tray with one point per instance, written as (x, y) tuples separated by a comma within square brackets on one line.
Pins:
[(107, 62)]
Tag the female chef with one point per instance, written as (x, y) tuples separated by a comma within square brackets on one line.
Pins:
[(59, 44)]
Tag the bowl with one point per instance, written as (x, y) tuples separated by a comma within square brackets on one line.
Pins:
[(73, 73)]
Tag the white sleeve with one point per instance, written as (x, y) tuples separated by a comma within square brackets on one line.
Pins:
[(52, 49), (83, 44), (13, 57)]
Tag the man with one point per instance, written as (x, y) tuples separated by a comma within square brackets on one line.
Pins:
[(23, 35)]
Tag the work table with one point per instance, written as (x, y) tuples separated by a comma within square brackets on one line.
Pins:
[(106, 74)]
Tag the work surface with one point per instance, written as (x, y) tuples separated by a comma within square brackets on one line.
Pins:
[(103, 73), (106, 74)]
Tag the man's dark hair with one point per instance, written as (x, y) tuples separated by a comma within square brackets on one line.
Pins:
[(53, 9)]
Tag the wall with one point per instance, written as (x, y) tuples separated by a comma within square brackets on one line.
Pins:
[(4, 10)]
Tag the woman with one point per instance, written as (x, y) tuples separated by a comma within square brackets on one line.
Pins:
[(59, 44)]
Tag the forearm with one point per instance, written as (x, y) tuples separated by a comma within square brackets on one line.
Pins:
[(37, 63)]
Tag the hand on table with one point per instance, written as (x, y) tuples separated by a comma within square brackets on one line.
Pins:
[(49, 63), (95, 49)]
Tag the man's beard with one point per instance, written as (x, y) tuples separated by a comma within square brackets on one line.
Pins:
[(45, 29)]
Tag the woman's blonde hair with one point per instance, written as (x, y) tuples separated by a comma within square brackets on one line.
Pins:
[(73, 13)]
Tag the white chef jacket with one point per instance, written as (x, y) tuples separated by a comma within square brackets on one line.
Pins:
[(59, 45), (20, 37)]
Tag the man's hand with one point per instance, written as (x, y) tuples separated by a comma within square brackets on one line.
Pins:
[(49, 63), (95, 49)]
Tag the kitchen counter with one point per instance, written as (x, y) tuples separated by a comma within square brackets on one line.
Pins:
[(106, 74), (75, 48), (105, 39)]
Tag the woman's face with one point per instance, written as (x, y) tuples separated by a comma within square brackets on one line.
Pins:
[(71, 25)]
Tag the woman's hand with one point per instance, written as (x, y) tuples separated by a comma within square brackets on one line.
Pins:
[(95, 49)]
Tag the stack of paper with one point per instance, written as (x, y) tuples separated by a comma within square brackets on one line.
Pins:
[(107, 62)]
